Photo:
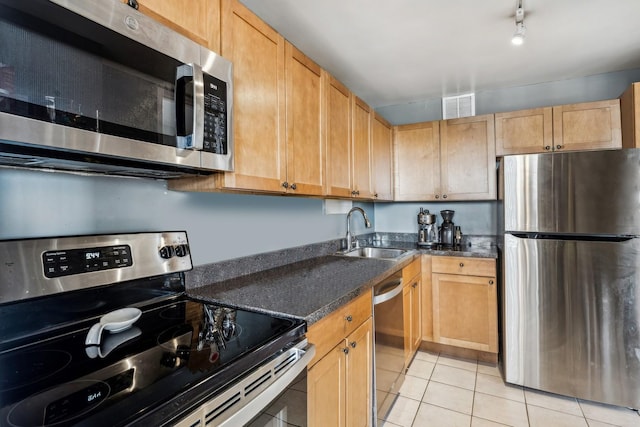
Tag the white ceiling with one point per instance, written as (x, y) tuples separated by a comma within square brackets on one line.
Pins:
[(392, 52)]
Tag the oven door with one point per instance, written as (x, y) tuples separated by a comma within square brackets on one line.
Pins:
[(102, 79), (272, 393)]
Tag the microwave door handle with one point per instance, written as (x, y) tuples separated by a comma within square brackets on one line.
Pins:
[(195, 140)]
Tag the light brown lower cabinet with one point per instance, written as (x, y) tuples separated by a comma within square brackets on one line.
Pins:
[(411, 302), (465, 302), (339, 382)]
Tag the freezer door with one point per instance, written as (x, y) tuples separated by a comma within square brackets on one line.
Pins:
[(572, 317), (595, 192)]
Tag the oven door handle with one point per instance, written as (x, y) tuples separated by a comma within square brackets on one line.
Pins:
[(387, 291), (258, 404)]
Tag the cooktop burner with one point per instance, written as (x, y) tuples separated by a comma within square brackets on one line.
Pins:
[(71, 356), (60, 379)]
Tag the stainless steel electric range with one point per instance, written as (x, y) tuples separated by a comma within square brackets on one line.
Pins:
[(98, 331)]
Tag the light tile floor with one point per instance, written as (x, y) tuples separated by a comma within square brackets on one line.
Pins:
[(441, 391)]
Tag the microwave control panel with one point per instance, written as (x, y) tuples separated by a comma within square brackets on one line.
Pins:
[(75, 261), (215, 115)]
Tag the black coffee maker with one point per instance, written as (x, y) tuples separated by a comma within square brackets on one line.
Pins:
[(447, 229)]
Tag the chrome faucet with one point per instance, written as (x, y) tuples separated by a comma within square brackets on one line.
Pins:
[(351, 240)]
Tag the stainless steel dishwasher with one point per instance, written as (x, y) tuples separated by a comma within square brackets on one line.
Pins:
[(389, 342)]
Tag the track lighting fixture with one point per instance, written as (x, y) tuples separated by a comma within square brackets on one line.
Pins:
[(518, 36)]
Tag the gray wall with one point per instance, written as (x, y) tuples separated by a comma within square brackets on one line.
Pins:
[(472, 217), (225, 226), (584, 89), (219, 226)]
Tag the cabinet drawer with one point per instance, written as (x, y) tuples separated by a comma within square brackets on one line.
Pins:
[(464, 265), (328, 332), (411, 271)]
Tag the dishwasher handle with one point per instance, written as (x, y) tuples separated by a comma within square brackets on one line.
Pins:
[(386, 291)]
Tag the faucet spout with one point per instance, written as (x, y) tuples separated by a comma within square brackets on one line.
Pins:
[(350, 239)]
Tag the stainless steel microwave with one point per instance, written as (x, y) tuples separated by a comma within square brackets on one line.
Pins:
[(95, 86)]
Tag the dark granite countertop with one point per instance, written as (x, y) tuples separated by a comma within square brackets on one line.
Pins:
[(308, 289), (468, 250), (309, 282)]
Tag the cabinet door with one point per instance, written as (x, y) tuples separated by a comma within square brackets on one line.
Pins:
[(305, 144), (338, 132), (630, 116), (326, 395), (411, 308), (468, 158), (199, 19), (417, 161), (257, 52), (381, 165), (524, 131), (361, 152), (359, 376), (465, 311), (426, 304), (587, 126)]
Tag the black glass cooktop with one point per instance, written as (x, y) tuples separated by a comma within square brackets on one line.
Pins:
[(178, 352)]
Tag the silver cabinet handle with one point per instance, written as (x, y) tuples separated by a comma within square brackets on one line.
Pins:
[(285, 184), (348, 318), (444, 196), (354, 344), (558, 147), (294, 186), (491, 282), (345, 350), (437, 197), (547, 147), (461, 265)]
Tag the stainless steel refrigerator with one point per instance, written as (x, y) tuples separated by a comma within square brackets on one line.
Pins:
[(571, 288)]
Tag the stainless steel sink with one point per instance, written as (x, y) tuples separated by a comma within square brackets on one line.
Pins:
[(369, 252)]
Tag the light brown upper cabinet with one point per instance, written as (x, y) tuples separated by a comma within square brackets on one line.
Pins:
[(381, 154), (338, 132), (524, 131), (587, 126), (572, 127), (199, 19), (417, 161), (446, 160), (630, 116), (468, 159), (361, 149), (257, 52), (277, 117), (305, 133)]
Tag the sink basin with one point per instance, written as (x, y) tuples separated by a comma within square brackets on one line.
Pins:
[(367, 252)]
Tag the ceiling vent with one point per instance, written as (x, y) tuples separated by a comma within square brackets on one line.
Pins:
[(459, 106)]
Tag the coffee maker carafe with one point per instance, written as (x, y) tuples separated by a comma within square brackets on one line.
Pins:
[(427, 228), (447, 229)]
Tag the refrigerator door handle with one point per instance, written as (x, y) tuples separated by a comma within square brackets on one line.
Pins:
[(575, 237)]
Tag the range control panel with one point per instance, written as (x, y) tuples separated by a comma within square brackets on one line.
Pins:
[(76, 261), (31, 268)]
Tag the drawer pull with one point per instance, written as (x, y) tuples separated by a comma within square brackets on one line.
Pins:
[(461, 264), (353, 344), (349, 318), (345, 350), (491, 282), (414, 285)]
